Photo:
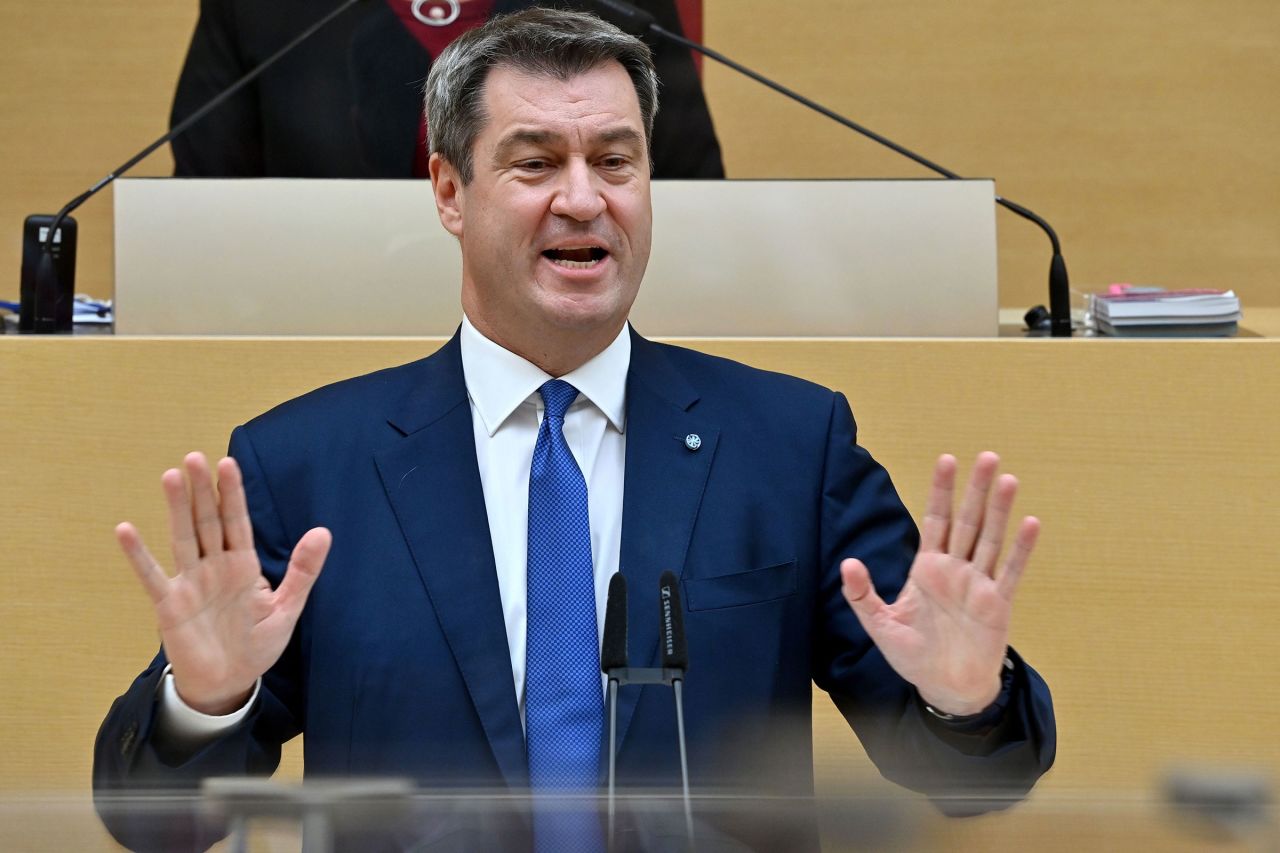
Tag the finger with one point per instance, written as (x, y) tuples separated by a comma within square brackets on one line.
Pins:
[(204, 504), (153, 578), (237, 529), (182, 533), (1016, 563), (304, 567), (861, 594), (968, 521), (995, 525), (937, 515)]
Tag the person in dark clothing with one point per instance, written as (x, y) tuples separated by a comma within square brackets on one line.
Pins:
[(348, 102)]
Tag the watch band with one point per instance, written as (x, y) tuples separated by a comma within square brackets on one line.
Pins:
[(1002, 698)]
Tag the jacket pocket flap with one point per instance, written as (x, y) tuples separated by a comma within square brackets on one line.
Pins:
[(753, 587)]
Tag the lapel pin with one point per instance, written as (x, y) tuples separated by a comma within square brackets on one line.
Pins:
[(693, 441)]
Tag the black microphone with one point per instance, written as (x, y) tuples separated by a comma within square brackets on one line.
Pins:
[(672, 644), (613, 662), (673, 652), (613, 649), (48, 261), (629, 19), (673, 649), (637, 22)]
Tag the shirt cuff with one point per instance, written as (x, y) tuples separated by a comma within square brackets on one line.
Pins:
[(180, 725)]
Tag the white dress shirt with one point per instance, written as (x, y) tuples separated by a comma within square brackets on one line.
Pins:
[(506, 411)]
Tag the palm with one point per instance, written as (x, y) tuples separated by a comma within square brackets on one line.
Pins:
[(947, 631), (221, 623), (214, 622)]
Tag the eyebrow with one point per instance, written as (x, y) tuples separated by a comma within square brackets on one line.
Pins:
[(624, 134)]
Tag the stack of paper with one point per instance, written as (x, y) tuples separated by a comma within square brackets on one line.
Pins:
[(1155, 312)]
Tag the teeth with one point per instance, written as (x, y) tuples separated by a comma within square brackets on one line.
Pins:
[(577, 257)]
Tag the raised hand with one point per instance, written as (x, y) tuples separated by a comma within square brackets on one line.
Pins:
[(221, 623), (948, 629)]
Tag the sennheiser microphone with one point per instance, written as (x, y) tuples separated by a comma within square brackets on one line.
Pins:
[(613, 662), (613, 648), (638, 22), (672, 644), (673, 648), (673, 654), (48, 258)]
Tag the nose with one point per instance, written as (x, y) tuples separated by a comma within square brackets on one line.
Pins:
[(578, 194)]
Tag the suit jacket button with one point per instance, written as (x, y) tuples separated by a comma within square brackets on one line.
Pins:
[(693, 441)]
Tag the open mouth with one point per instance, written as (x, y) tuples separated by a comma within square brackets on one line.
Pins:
[(577, 258)]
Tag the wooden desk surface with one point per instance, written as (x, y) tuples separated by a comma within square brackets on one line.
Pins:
[(1256, 323), (1150, 605)]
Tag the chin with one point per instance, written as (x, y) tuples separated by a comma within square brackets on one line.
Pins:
[(577, 313)]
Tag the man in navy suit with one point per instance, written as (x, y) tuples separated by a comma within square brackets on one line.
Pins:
[(369, 565)]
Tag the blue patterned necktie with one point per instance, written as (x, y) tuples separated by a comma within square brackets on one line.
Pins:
[(564, 702)]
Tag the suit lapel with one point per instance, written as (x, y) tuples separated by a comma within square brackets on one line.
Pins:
[(663, 490), (433, 483)]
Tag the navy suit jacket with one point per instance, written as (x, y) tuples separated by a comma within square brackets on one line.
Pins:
[(400, 666)]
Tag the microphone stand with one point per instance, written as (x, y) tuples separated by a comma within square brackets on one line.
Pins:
[(613, 755), (674, 654), (674, 678), (632, 19), (677, 686)]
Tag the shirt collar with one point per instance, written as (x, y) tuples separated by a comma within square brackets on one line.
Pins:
[(498, 380)]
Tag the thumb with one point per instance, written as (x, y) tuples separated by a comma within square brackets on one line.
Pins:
[(304, 567), (860, 592)]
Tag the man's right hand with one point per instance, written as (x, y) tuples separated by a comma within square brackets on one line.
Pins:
[(221, 623)]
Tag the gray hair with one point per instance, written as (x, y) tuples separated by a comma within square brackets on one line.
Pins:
[(545, 42)]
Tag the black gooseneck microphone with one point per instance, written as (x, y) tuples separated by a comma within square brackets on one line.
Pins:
[(674, 651), (48, 257), (613, 661), (613, 649), (638, 22), (673, 654)]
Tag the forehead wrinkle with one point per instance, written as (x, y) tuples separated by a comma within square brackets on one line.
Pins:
[(524, 136), (624, 133), (541, 137)]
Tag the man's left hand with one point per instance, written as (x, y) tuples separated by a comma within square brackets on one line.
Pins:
[(948, 629)]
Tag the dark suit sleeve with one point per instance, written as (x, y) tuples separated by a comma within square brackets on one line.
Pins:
[(964, 771), (228, 141), (130, 761)]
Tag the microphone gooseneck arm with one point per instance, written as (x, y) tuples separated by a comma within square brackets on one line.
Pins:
[(192, 119), (636, 21)]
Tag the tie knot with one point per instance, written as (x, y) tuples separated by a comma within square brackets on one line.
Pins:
[(557, 396)]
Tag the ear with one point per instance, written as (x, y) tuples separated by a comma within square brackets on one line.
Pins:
[(447, 186)]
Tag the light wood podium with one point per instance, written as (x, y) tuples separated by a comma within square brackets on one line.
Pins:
[(1149, 606)]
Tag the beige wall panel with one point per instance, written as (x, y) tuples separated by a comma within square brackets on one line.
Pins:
[(1149, 606), (86, 85), (1143, 130)]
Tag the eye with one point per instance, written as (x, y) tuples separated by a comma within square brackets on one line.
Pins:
[(533, 165), (613, 162)]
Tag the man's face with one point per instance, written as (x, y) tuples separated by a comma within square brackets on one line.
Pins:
[(555, 224)]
